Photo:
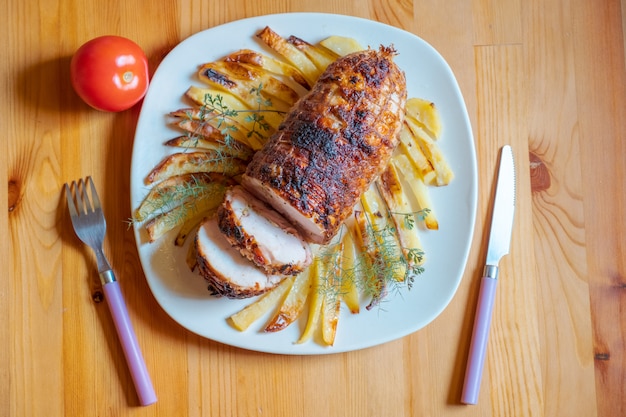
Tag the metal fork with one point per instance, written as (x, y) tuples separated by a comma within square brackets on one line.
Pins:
[(90, 226)]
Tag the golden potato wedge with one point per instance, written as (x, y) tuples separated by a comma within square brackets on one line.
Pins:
[(292, 306), (385, 247), (203, 114), (375, 209), (200, 128), (220, 105), (319, 55), (271, 110), (173, 191), (419, 189), (315, 304), (426, 114), (195, 162), (163, 223), (251, 313), (275, 66), (443, 171), (349, 290), (409, 147), (329, 271), (373, 281), (393, 192), (188, 228), (331, 307), (341, 45), (227, 126), (245, 80), (292, 54), (204, 97), (231, 108), (233, 149)]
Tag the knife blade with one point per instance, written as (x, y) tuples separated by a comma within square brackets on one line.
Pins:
[(499, 245)]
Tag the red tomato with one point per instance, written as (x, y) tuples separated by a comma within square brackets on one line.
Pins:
[(110, 73)]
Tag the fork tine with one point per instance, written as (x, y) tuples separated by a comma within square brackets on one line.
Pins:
[(82, 197), (94, 194), (70, 200)]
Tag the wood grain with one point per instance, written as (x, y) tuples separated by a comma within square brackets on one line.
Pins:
[(604, 101), (547, 77), (558, 211)]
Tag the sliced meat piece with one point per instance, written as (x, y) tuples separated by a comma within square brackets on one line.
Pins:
[(228, 273), (261, 234), (334, 142)]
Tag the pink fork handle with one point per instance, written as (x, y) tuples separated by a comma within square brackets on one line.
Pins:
[(134, 358), (478, 345)]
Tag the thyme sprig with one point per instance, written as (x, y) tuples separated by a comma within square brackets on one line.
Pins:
[(224, 118)]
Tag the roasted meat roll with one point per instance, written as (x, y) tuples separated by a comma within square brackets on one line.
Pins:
[(334, 142), (261, 234)]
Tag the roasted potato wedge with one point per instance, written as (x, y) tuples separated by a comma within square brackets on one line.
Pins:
[(315, 303), (199, 128), (443, 173), (203, 114), (226, 126), (251, 313), (275, 66), (194, 162), (419, 189), (292, 54), (273, 110), (410, 148), (341, 45), (173, 191), (390, 186), (233, 110), (293, 304), (245, 80), (386, 246), (330, 270), (374, 284), (233, 149), (163, 223), (426, 114), (319, 55), (349, 290), (188, 228)]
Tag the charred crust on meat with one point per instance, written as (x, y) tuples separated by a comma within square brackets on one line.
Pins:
[(308, 136)]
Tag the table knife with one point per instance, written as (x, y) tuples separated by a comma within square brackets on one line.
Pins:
[(499, 244)]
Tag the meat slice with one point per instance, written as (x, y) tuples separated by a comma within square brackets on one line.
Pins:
[(334, 142), (228, 273), (261, 234)]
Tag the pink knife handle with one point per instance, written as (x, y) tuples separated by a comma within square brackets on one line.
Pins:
[(126, 334), (480, 336)]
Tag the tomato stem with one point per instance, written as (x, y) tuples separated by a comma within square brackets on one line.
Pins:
[(128, 76)]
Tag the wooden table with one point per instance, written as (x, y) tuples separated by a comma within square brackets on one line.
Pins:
[(548, 77)]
